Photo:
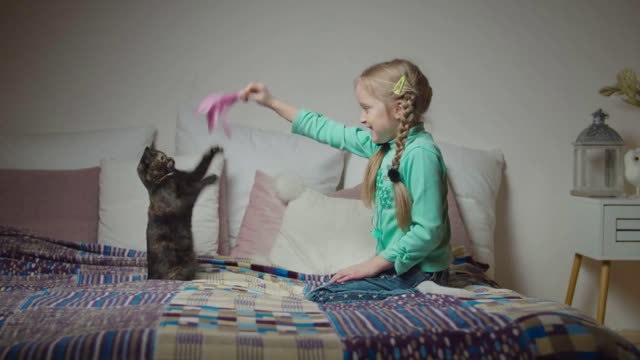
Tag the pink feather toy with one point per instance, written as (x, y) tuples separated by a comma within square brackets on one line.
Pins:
[(216, 107)]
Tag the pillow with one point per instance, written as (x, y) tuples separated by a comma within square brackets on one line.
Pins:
[(61, 204), (459, 235), (264, 216), (261, 221), (475, 177), (350, 193), (124, 202), (249, 150), (76, 150), (224, 247), (315, 226)]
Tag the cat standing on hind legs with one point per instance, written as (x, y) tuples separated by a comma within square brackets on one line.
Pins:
[(172, 195)]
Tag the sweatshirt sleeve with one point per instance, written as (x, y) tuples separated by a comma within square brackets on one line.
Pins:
[(352, 139), (422, 174)]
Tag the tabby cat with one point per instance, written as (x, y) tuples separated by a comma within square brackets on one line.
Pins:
[(172, 195)]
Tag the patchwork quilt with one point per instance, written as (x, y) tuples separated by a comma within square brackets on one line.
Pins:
[(61, 300)]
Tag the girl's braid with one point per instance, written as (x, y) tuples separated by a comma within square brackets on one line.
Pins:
[(406, 123)]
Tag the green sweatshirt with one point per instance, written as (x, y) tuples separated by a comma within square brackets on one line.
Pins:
[(422, 171)]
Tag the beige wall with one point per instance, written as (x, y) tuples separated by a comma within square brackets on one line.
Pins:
[(521, 76)]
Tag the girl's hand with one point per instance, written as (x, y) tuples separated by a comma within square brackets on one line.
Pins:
[(369, 268), (354, 272), (257, 92)]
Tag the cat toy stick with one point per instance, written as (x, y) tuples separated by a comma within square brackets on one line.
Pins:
[(216, 106)]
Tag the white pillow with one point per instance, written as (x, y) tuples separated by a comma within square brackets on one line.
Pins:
[(321, 234), (475, 176), (124, 202), (74, 150), (249, 150)]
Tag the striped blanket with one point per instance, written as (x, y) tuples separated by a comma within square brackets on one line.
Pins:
[(81, 301)]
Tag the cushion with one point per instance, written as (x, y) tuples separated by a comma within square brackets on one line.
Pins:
[(124, 202), (261, 221), (459, 235), (61, 204), (76, 150), (322, 234), (249, 150), (224, 247), (475, 177), (263, 218), (350, 193)]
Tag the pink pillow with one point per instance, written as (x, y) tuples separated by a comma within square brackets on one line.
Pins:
[(350, 193), (263, 218), (61, 204), (459, 234), (261, 221), (224, 246)]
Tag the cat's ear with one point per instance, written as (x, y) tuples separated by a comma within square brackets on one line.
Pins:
[(153, 144)]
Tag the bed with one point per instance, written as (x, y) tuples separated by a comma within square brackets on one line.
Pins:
[(73, 268)]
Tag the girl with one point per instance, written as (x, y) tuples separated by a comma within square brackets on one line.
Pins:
[(405, 181)]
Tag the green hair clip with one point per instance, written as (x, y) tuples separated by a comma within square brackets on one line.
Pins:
[(399, 87)]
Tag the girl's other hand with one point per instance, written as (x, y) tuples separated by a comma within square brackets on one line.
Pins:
[(369, 268), (257, 92), (355, 272)]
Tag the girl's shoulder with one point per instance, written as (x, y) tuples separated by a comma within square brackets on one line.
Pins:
[(421, 145), (422, 153)]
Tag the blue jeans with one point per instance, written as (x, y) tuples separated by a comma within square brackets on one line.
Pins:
[(387, 283)]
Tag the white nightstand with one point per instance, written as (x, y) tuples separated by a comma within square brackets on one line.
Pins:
[(604, 229)]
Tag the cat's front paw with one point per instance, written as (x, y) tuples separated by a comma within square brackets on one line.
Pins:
[(214, 150)]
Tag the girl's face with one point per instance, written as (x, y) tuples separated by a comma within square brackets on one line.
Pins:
[(376, 117)]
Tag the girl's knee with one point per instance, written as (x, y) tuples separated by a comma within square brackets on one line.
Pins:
[(326, 293), (317, 296)]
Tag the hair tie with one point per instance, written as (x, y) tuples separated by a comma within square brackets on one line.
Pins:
[(394, 175)]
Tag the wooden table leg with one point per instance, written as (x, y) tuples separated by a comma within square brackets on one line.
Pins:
[(604, 288), (577, 261)]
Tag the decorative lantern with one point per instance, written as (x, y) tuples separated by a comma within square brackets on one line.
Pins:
[(598, 169)]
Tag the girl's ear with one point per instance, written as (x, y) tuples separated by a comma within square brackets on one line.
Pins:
[(397, 111)]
